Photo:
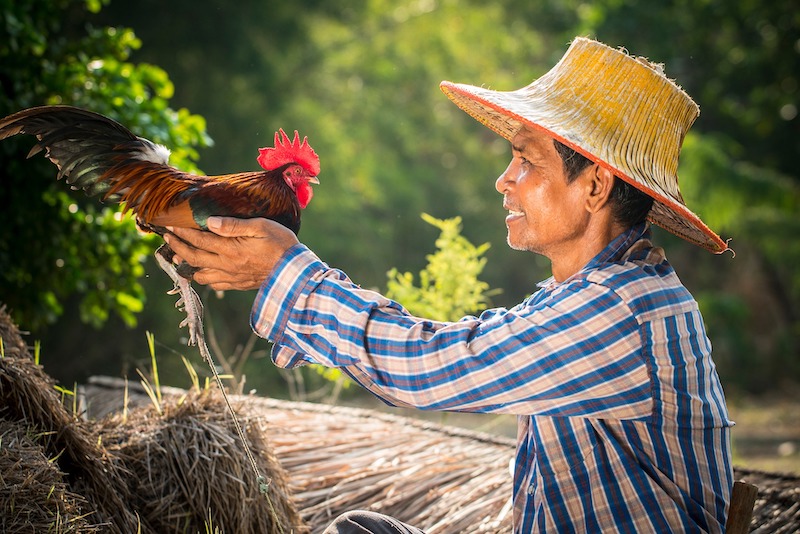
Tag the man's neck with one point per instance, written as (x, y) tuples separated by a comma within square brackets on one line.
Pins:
[(573, 257)]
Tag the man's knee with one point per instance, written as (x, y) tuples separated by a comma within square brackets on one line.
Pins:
[(364, 522), (351, 522)]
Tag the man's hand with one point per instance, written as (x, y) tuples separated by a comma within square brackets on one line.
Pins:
[(235, 254)]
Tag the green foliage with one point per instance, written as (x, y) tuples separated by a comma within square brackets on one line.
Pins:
[(449, 287), (738, 198), (55, 243), (726, 318)]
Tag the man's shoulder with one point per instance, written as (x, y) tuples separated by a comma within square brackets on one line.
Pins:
[(650, 290)]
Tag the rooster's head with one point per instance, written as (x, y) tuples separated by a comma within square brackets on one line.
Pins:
[(302, 161)]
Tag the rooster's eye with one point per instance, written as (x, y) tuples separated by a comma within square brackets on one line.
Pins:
[(297, 170)]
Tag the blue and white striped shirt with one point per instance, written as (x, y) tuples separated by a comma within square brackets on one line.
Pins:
[(622, 419)]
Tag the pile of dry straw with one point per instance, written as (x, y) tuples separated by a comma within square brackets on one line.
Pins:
[(180, 470), (442, 479)]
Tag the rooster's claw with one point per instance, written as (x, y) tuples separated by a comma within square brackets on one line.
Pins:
[(189, 300)]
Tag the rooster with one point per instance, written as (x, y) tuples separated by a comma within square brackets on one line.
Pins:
[(102, 157)]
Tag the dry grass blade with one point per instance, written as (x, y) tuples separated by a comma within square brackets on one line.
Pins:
[(34, 494)]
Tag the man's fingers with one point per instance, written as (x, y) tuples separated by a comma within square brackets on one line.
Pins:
[(193, 238), (189, 253), (239, 256), (223, 280)]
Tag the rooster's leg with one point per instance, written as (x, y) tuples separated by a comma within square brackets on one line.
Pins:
[(189, 300)]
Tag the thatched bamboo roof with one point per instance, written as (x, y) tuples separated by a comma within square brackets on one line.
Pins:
[(441, 479), (777, 508)]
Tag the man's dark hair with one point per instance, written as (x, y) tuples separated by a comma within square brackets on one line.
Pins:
[(629, 205)]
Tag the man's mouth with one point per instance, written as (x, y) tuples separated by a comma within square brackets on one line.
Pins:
[(513, 214)]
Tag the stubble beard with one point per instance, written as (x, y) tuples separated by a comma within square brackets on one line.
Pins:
[(518, 243), (523, 242)]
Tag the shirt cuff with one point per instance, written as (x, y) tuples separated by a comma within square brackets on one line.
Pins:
[(281, 289)]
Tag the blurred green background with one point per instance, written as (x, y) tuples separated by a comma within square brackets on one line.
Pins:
[(214, 80)]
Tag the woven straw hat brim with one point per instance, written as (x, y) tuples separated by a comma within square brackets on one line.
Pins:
[(637, 139)]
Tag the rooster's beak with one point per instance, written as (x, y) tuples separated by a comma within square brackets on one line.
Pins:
[(313, 180)]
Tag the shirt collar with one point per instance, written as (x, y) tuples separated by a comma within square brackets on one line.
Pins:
[(623, 246)]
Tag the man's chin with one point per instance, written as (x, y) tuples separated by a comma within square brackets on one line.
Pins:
[(515, 245)]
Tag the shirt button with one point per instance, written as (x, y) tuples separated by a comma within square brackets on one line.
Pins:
[(531, 489)]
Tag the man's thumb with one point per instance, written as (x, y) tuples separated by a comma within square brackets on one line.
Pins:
[(214, 224), (229, 226), (234, 227)]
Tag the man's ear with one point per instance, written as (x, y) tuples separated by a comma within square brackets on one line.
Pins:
[(600, 183)]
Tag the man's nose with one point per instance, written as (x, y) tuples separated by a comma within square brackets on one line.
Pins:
[(504, 180)]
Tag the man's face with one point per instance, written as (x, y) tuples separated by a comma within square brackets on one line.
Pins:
[(546, 215)]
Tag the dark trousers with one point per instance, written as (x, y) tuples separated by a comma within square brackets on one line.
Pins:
[(362, 522)]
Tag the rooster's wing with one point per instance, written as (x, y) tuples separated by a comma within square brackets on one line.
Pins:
[(102, 157)]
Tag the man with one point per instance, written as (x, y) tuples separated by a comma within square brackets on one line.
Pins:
[(622, 419)]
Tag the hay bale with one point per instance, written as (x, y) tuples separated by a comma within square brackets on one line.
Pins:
[(28, 397), (439, 478), (34, 494), (182, 471), (13, 344), (188, 469)]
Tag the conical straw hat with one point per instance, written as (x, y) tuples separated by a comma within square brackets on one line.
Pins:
[(617, 110)]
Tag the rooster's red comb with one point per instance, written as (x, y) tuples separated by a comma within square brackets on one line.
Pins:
[(286, 151)]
